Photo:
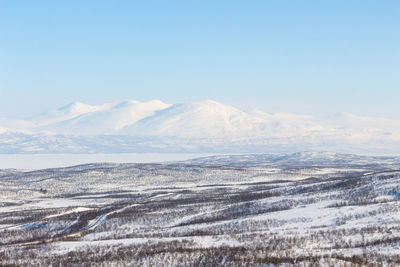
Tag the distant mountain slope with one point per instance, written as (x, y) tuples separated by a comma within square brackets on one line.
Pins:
[(108, 119), (205, 126), (64, 113), (199, 120)]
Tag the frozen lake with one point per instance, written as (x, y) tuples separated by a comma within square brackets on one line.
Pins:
[(41, 161)]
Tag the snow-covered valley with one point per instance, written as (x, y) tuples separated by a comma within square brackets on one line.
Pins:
[(301, 209)]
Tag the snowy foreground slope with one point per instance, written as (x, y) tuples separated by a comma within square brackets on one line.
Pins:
[(302, 209), (207, 126)]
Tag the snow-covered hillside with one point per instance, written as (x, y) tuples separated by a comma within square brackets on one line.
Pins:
[(205, 126), (301, 209), (199, 120), (107, 119), (65, 113)]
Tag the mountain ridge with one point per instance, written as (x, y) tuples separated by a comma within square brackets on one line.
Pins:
[(202, 126)]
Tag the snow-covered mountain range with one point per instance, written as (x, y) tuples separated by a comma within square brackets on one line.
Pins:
[(205, 126)]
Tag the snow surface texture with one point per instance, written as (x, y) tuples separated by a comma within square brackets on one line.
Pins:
[(300, 209), (207, 126)]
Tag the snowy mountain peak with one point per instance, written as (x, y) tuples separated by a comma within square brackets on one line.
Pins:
[(78, 108), (64, 113), (197, 126), (105, 119), (202, 119), (152, 104), (125, 103)]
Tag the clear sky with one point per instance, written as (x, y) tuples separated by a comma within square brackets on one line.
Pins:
[(295, 56)]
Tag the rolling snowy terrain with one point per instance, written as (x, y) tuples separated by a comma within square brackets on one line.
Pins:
[(207, 126), (301, 209)]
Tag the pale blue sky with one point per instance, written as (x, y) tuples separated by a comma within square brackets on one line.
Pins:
[(296, 56)]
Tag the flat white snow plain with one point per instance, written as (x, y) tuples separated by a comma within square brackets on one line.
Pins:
[(302, 209)]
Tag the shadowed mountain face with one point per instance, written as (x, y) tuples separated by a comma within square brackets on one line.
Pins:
[(206, 126)]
